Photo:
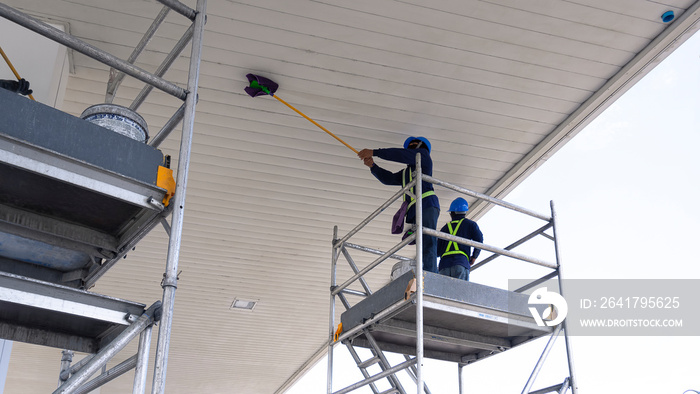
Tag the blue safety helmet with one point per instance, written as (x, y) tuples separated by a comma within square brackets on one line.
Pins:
[(459, 205), (422, 139)]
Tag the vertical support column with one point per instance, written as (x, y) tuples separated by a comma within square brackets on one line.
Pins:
[(5, 352), (107, 352), (331, 314), (460, 379), (66, 360), (170, 280), (141, 372), (419, 275), (569, 355)]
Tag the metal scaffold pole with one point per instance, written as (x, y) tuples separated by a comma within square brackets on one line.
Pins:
[(331, 314), (170, 279), (419, 276), (569, 356)]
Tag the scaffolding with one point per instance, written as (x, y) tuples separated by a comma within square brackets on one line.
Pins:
[(423, 314), (55, 248)]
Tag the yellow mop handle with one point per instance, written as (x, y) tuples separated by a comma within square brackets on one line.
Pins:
[(12, 68), (312, 121)]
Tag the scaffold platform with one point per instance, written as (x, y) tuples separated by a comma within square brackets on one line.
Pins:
[(48, 314), (463, 321), (75, 194)]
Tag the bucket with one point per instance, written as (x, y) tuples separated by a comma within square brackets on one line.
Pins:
[(402, 267), (119, 119)]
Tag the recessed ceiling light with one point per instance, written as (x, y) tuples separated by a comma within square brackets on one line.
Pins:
[(244, 305)]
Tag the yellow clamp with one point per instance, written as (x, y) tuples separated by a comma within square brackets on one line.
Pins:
[(167, 182), (338, 332)]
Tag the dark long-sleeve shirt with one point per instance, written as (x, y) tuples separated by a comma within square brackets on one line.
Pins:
[(469, 230), (408, 157)]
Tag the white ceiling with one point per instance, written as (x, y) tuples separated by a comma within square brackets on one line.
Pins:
[(497, 86)]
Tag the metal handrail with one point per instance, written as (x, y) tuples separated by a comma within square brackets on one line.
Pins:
[(374, 214), (479, 245), (488, 198)]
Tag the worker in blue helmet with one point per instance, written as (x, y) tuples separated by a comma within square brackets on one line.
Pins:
[(431, 205), (455, 258)]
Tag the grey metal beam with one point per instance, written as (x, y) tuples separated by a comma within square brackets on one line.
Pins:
[(71, 302), (56, 232), (335, 252), (567, 342), (375, 251), (383, 362), (168, 127), (180, 8), (42, 337), (487, 198), (384, 314), (537, 281), (353, 266), (551, 389), (115, 76), (109, 375), (363, 365), (373, 264), (128, 244), (90, 51), (378, 376), (164, 66), (75, 172), (411, 349), (540, 362), (377, 212), (66, 359), (460, 379), (76, 367), (76, 381), (169, 283), (539, 231), (490, 248), (141, 372), (439, 334), (412, 373), (420, 279)]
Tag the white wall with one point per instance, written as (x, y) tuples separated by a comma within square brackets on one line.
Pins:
[(42, 62)]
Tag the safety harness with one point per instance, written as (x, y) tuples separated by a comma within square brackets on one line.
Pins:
[(452, 246), (413, 189)]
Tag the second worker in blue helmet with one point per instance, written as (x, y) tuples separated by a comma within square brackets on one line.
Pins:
[(455, 258), (431, 205)]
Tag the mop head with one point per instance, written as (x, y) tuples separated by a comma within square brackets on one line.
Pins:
[(260, 86)]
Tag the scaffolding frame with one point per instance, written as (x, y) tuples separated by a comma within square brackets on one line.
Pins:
[(415, 293), (74, 379)]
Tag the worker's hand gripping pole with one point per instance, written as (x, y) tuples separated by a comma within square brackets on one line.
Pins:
[(14, 71)]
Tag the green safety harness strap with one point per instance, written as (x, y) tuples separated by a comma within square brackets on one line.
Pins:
[(452, 246), (410, 179)]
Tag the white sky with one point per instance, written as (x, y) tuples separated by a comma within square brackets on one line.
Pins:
[(626, 191)]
